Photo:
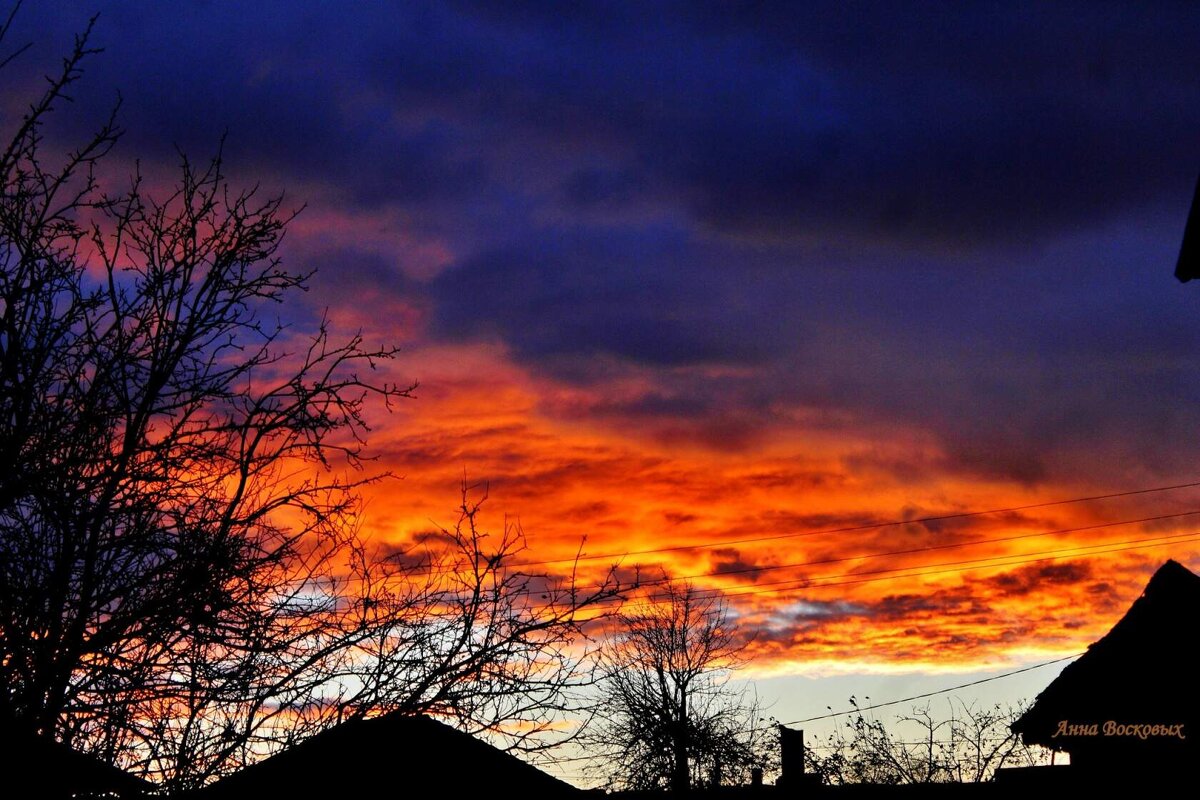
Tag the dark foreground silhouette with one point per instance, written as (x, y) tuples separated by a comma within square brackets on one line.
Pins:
[(1127, 708), (1125, 711), (376, 757), (1188, 265)]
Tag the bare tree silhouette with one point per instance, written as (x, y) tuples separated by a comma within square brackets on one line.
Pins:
[(668, 715), (966, 746), (182, 586)]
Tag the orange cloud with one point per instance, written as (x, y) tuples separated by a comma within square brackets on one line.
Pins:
[(827, 551)]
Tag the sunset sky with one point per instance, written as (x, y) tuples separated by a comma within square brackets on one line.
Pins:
[(749, 288)]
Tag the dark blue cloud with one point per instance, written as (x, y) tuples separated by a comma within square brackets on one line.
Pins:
[(968, 125), (646, 297), (958, 218)]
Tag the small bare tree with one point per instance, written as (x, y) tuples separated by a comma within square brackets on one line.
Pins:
[(668, 716), (182, 586), (967, 746)]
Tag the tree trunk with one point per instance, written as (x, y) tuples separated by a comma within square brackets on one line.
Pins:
[(681, 779)]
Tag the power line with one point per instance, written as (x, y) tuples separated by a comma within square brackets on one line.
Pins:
[(858, 528), (913, 571), (849, 528), (954, 567), (910, 551), (929, 548), (1028, 558), (857, 709), (841, 559), (874, 706), (941, 741)]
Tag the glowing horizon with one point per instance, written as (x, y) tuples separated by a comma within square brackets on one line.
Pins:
[(985, 590)]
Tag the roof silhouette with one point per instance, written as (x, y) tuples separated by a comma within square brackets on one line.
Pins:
[(1187, 266), (383, 753), (1141, 671), (52, 769)]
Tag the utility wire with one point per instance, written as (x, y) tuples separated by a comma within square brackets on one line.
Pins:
[(929, 548), (874, 706), (923, 569), (857, 577), (965, 565), (516, 565), (822, 582), (842, 529), (857, 528)]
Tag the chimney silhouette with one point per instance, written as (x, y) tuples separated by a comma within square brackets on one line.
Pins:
[(791, 757)]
